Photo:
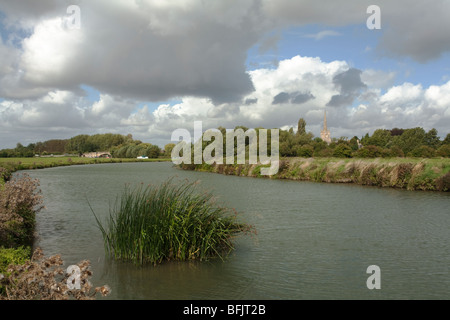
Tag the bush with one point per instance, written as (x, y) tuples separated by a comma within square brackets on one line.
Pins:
[(443, 183), (43, 278), (169, 222), (443, 151), (342, 151), (19, 202), (13, 256), (423, 152), (369, 151), (5, 175), (305, 151)]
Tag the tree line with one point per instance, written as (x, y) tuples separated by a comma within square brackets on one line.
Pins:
[(120, 146), (396, 142)]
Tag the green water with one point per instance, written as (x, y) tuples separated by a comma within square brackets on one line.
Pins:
[(314, 241)]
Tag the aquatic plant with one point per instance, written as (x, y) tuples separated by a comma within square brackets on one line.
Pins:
[(168, 222)]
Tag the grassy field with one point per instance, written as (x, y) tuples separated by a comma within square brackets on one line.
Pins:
[(14, 164), (405, 173)]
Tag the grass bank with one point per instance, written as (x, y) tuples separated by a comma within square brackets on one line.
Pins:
[(10, 165), (404, 173)]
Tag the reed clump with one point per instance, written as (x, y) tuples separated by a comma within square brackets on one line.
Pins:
[(152, 224)]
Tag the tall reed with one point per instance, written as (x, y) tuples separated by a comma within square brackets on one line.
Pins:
[(168, 222)]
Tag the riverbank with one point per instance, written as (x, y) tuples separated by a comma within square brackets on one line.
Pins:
[(404, 173), (11, 165)]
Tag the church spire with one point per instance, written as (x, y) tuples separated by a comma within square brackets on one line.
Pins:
[(325, 133)]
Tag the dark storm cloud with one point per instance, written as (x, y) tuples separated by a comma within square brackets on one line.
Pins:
[(299, 98), (349, 81), (340, 100), (282, 97), (294, 97), (249, 101), (349, 84), (141, 50)]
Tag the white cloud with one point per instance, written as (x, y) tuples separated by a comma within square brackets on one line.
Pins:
[(144, 49), (50, 52), (149, 50), (378, 78), (322, 34)]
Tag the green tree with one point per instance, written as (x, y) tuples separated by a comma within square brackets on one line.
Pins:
[(342, 150), (301, 127), (380, 138), (431, 139), (443, 151), (410, 139), (423, 152), (305, 151), (153, 151), (369, 151), (353, 143), (168, 149), (447, 139)]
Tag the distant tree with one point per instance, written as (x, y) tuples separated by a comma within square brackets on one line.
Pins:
[(342, 150), (286, 150), (447, 139), (397, 132), (78, 144), (423, 152), (353, 143), (153, 151), (301, 127), (365, 140), (443, 151), (380, 138), (39, 147), (129, 138), (168, 149), (431, 139), (369, 151), (410, 139), (396, 151), (305, 151)]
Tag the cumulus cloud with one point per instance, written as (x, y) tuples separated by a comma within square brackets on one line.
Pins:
[(417, 30), (315, 82), (349, 84), (140, 49), (195, 51)]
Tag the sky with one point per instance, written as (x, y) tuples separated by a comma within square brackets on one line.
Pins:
[(148, 67)]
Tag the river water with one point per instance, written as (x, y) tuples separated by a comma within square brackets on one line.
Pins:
[(314, 240)]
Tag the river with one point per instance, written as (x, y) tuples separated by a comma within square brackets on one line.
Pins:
[(314, 240)]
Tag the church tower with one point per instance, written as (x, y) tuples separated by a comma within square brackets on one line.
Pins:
[(325, 133)]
